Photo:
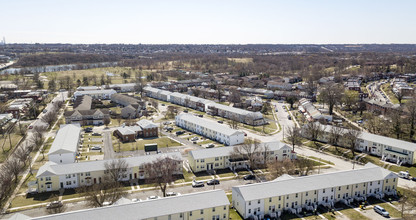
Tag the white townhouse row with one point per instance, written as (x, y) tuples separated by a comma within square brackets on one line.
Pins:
[(205, 105), (96, 94), (225, 158), (209, 129), (297, 194), (52, 176), (390, 149), (65, 145), (209, 205)]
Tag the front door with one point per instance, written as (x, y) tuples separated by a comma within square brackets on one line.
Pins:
[(135, 175), (131, 176), (95, 180), (62, 185)]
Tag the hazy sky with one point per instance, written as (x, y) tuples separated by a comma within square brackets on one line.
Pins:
[(208, 22)]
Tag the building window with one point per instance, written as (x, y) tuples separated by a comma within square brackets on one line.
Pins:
[(323, 190), (296, 195), (190, 213), (225, 215), (280, 198), (48, 178), (202, 211), (339, 188), (225, 207), (270, 199), (249, 210), (306, 193), (258, 202), (249, 203)]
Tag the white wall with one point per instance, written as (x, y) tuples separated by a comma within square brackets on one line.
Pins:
[(62, 158)]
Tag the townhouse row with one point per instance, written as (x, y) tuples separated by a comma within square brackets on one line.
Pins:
[(297, 194), (207, 205), (226, 158), (210, 129), (52, 176), (389, 149), (205, 105)]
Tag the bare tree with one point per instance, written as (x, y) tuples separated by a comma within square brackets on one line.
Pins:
[(56, 209), (162, 172), (235, 96), (38, 133), (396, 124), (407, 203), (154, 103), (97, 194), (399, 96), (335, 135), (331, 95), (294, 136), (278, 168), (5, 181), (411, 110), (233, 122), (250, 150), (22, 153), (106, 121), (116, 169), (313, 130), (351, 138), (14, 166), (304, 166), (50, 117)]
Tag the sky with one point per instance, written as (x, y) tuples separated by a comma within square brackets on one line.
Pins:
[(208, 22)]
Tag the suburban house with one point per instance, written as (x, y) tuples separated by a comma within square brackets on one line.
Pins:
[(96, 94), (279, 85), (311, 112), (293, 194), (209, 129), (373, 105), (87, 117), (389, 149), (126, 87), (65, 145), (19, 106), (224, 157), (87, 88), (132, 107), (212, 204), (52, 176), (143, 129)]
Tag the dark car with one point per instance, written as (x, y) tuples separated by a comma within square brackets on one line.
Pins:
[(200, 116), (180, 132), (213, 182), (220, 122), (413, 178), (249, 177), (54, 205)]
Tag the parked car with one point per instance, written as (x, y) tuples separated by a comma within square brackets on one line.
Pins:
[(186, 111), (194, 139), (220, 122), (152, 197), (249, 177), (168, 194), (213, 182), (136, 200), (404, 174), (88, 129), (30, 126), (380, 210), (54, 205), (166, 122), (198, 183), (200, 116), (45, 110), (96, 148), (210, 146), (288, 117), (180, 132), (163, 104), (96, 134), (413, 178)]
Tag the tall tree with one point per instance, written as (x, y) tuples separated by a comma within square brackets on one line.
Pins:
[(162, 172), (351, 138), (331, 95), (250, 150), (411, 111), (294, 136)]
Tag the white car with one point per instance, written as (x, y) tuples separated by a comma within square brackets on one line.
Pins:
[(169, 194), (380, 210), (152, 197), (198, 184), (136, 200), (194, 139)]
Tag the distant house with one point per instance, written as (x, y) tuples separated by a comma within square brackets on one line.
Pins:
[(373, 105), (87, 117), (87, 88), (83, 102), (279, 85), (126, 87), (132, 106), (149, 128)]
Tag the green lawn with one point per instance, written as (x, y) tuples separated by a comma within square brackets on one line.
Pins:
[(353, 214), (224, 173), (161, 142), (319, 159), (412, 169)]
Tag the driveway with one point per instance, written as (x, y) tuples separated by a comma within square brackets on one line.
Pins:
[(108, 146)]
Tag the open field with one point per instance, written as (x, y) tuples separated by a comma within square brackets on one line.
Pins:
[(161, 142), (6, 148)]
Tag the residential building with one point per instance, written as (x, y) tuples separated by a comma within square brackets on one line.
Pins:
[(240, 115), (307, 192), (224, 157), (210, 129), (311, 113), (127, 87), (279, 85), (65, 145), (373, 105), (52, 176), (389, 149), (88, 88), (208, 205), (87, 117), (133, 107), (143, 129), (19, 106), (96, 94)]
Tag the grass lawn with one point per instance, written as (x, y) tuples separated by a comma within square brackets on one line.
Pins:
[(224, 173), (242, 172), (353, 214), (233, 213), (5, 145), (412, 169), (330, 216), (392, 211), (161, 142)]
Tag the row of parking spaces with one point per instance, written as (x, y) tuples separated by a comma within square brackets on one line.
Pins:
[(91, 147)]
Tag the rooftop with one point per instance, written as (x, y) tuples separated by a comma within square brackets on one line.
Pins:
[(66, 140), (208, 124)]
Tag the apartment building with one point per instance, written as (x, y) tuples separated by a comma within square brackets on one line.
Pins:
[(209, 129), (65, 145), (87, 117), (225, 111), (143, 129), (389, 149), (208, 205), (223, 157), (292, 194), (96, 94), (52, 176)]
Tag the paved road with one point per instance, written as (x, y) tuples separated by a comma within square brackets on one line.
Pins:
[(108, 146)]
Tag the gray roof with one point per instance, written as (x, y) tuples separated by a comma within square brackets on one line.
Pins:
[(146, 124), (129, 130), (236, 110), (51, 168), (83, 102), (223, 129), (286, 186), (226, 151), (66, 140), (150, 208), (92, 92)]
